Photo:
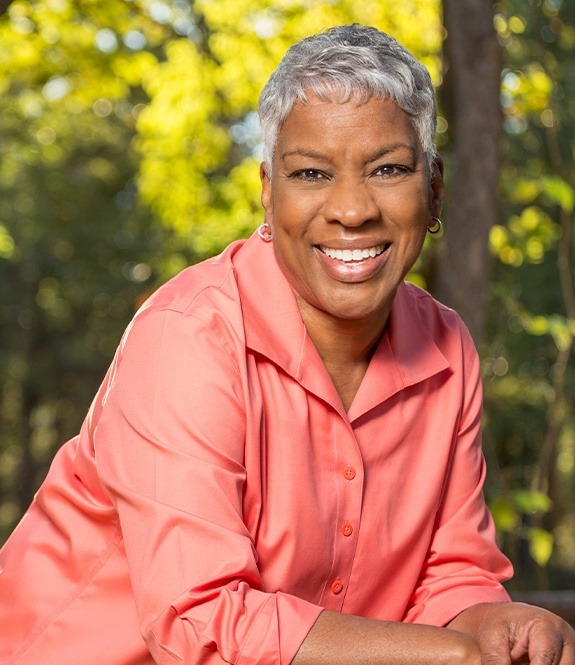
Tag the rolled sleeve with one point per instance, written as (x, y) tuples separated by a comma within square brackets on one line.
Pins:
[(170, 448)]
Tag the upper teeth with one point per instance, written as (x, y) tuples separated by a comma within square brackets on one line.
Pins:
[(352, 254)]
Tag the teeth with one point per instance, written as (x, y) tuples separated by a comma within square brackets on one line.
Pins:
[(347, 255)]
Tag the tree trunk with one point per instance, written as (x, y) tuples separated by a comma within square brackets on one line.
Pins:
[(473, 61), (4, 4)]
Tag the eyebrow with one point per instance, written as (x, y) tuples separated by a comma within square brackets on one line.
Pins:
[(378, 154)]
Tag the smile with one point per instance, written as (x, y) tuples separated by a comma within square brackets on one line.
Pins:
[(348, 255)]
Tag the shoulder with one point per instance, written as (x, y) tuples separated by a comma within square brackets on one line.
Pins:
[(202, 300), (188, 335), (210, 282)]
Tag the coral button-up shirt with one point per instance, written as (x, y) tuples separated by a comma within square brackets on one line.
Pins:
[(219, 496)]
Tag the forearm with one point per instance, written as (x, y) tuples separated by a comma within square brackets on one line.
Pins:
[(340, 639)]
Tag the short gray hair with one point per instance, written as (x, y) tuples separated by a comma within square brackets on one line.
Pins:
[(344, 62)]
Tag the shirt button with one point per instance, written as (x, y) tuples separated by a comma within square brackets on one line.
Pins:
[(336, 586), (349, 472), (346, 529)]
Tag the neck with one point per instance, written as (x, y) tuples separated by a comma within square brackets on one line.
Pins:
[(345, 346)]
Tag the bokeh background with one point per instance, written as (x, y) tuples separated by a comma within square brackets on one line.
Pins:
[(129, 148)]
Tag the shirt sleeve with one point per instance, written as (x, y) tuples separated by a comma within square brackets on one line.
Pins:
[(169, 447), (464, 565)]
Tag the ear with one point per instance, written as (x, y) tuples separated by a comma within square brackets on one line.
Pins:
[(436, 187), (266, 191)]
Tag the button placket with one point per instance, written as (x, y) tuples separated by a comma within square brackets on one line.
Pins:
[(348, 514)]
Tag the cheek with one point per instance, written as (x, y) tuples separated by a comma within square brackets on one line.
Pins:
[(292, 215), (414, 213)]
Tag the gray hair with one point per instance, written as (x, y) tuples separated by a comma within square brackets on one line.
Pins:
[(344, 62)]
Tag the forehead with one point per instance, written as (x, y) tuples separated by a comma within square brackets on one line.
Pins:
[(321, 126)]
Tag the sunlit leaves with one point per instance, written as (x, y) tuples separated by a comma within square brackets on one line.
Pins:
[(526, 91), (560, 192), (74, 253), (533, 325), (508, 512), (511, 515), (526, 237), (6, 243), (561, 329), (181, 140), (540, 544), (531, 233)]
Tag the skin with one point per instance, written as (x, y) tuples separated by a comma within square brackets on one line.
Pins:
[(350, 177), (510, 633)]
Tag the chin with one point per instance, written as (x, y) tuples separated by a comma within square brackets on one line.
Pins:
[(357, 311), (360, 306)]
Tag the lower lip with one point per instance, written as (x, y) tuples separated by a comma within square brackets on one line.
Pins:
[(352, 271)]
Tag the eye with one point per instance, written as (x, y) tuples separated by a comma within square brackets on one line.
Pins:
[(309, 175), (392, 170)]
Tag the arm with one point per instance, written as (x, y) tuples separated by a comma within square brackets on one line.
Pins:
[(170, 446), (338, 639), (509, 632)]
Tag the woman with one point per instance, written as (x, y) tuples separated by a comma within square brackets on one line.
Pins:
[(283, 463)]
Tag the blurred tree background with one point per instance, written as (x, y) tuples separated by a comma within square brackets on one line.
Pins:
[(129, 148)]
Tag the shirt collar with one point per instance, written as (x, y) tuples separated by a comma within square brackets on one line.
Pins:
[(406, 353), (272, 322)]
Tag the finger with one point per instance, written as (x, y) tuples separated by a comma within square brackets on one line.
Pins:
[(544, 643), (495, 647), (568, 652), (568, 655), (567, 647)]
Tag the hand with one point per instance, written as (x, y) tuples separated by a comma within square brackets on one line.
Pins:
[(515, 633)]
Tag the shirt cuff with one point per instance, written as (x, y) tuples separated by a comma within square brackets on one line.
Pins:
[(440, 610), (295, 617)]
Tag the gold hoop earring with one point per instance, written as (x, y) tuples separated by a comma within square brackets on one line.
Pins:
[(437, 226)]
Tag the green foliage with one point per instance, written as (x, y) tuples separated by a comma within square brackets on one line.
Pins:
[(76, 250), (511, 514), (528, 360)]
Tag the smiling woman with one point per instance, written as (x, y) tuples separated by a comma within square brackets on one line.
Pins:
[(284, 462)]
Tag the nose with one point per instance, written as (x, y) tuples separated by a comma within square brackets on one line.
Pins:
[(351, 203)]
